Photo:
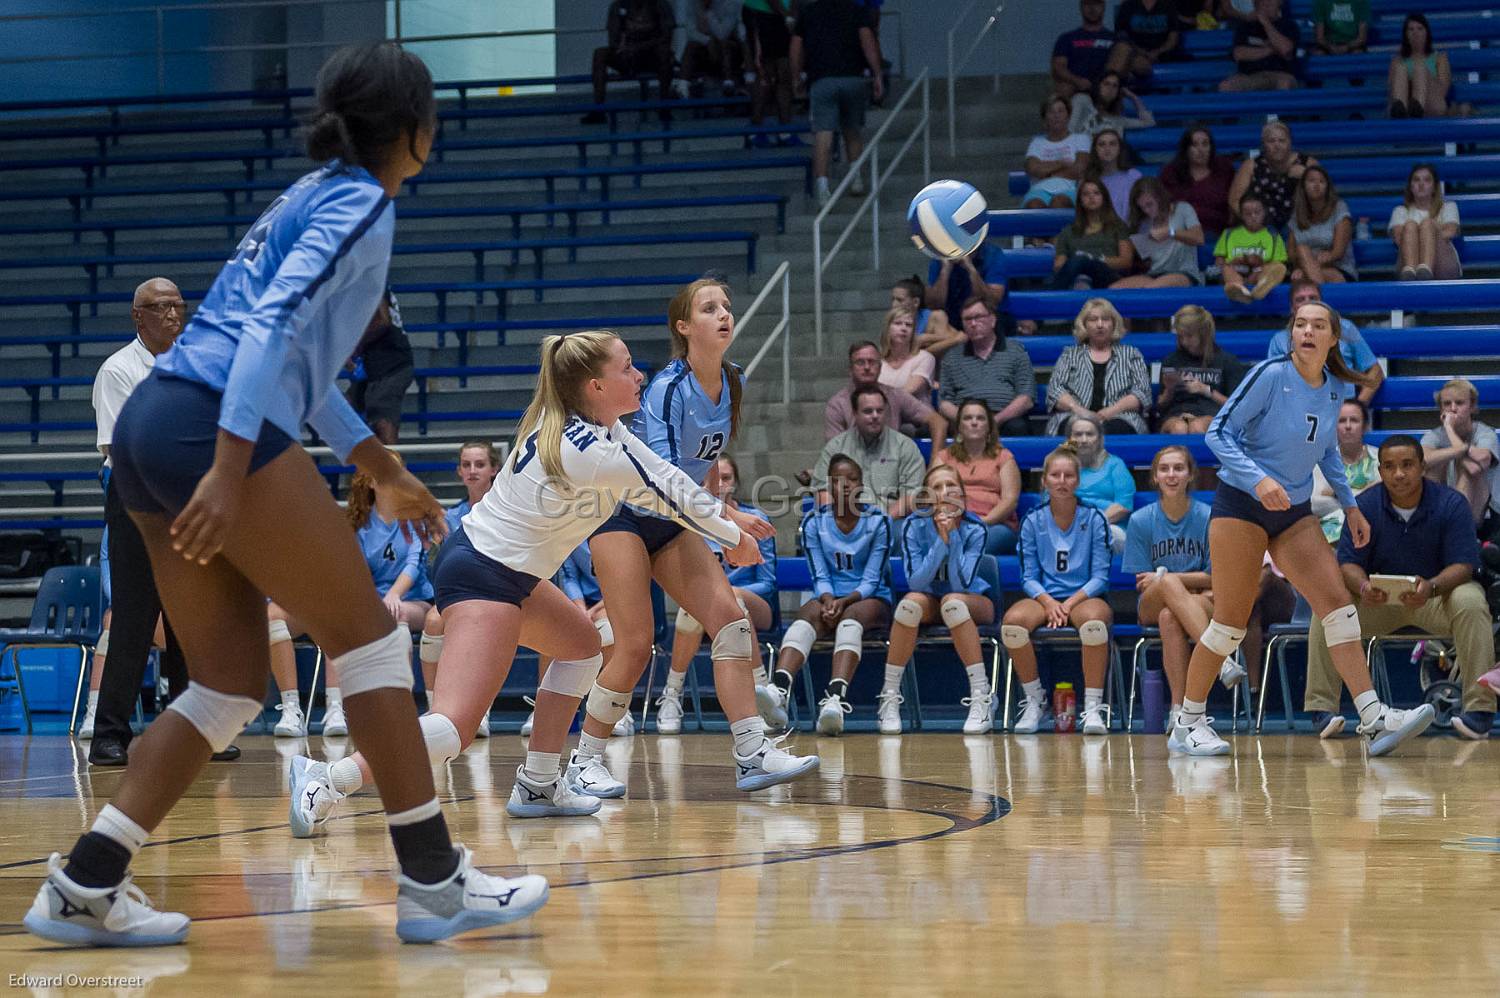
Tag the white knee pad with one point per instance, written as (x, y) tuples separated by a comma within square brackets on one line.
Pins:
[(219, 717), (1341, 627), (383, 664), (572, 679), (1221, 639), (908, 613), (735, 642), (432, 648), (1093, 633), (102, 648), (955, 612), (606, 706), (800, 635), (441, 737), (686, 625), (606, 633), (1014, 636), (850, 636), (277, 631)]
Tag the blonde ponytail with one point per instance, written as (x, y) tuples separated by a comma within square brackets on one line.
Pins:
[(568, 362)]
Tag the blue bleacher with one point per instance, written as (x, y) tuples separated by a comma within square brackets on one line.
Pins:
[(1445, 30), (1363, 298), (1317, 67)]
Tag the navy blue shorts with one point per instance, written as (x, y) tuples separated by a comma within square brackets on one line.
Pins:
[(654, 532), (1237, 504), (462, 573), (164, 443)]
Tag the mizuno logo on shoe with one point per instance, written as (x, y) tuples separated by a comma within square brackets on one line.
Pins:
[(532, 795), (501, 900), (68, 909)]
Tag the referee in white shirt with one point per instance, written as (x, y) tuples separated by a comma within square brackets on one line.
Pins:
[(157, 312)]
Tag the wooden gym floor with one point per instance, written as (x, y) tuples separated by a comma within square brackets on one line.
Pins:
[(933, 864)]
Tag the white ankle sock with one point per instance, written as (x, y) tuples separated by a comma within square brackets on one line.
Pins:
[(1033, 690), (541, 767), (979, 677), (118, 827), (675, 679), (893, 674), (1369, 706), (1092, 698), (1191, 713), (749, 734), (346, 776), (334, 698), (289, 700), (590, 747)]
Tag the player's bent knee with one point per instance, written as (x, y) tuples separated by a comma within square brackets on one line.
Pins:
[(1341, 627), (849, 636), (800, 636), (734, 642), (607, 706), (1014, 636), (908, 612), (1221, 639), (572, 678), (383, 664), (955, 612), (219, 717), (277, 631), (686, 625), (441, 737), (1092, 633)]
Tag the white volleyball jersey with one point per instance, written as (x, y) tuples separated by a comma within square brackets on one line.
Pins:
[(531, 523)]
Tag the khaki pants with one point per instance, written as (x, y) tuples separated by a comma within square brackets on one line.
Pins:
[(1463, 613)]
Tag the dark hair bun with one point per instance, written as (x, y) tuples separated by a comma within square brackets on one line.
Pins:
[(369, 98)]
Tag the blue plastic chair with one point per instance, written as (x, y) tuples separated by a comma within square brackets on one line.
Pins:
[(66, 614)]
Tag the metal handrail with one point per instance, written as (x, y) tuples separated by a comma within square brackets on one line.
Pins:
[(954, 67), (782, 276), (872, 199)]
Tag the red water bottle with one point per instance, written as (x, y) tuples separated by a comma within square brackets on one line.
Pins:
[(1064, 708)]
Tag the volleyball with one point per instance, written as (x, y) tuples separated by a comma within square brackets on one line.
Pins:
[(948, 219)]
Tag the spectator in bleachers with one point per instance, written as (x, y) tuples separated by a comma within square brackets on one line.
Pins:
[(769, 39), (934, 333), (713, 29), (991, 366), (1100, 375), (1341, 26), (1251, 257), (1420, 77), (1079, 57), (1166, 549), (1271, 176), (640, 41), (1056, 159), (903, 409), (1145, 33), (1320, 234), (1165, 235), (1361, 468), (1104, 107), (1231, 12), (1111, 163), (1199, 176), (1417, 528), (989, 472), (833, 42), (1265, 51), (1104, 481), (890, 463), (1095, 249), (847, 544), (1064, 574), (907, 293), (381, 370), (1198, 377), (1352, 346), (1423, 227), (903, 364), (1463, 451), (980, 273)]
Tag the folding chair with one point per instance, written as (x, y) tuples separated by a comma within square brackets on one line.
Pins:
[(1380, 676), (1150, 637), (1114, 681), (1280, 637), (66, 614)]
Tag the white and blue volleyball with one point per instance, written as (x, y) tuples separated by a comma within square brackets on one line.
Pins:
[(948, 219)]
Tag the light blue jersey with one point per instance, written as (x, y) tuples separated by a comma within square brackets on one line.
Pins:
[(677, 420), (1357, 353), (390, 555), (939, 567), (1275, 424), (286, 312), (758, 579), (576, 576), (1153, 540), (843, 563), (1061, 562), (455, 513)]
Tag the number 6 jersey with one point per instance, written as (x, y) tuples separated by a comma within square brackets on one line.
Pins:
[(1060, 562)]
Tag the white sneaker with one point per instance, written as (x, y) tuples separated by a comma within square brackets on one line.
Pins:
[(1231, 673), (669, 711), (467, 900), (1095, 719), (292, 723), (981, 719), (591, 778), (334, 725), (484, 726), (831, 711), (313, 796), (624, 727), (1032, 712), (1196, 739), (529, 799), (770, 765), (86, 728), (121, 915), (888, 712), (1394, 726), (771, 701)]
